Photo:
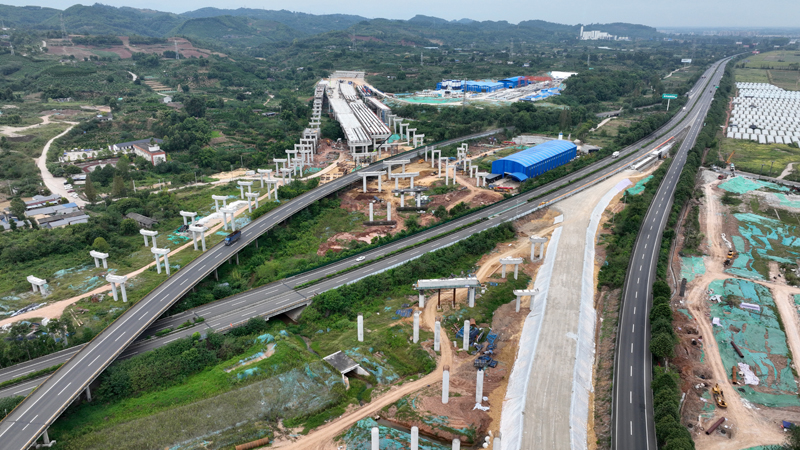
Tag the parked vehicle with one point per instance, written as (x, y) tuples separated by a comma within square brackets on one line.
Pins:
[(233, 237)]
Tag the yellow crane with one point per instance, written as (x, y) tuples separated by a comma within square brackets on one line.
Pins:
[(730, 157)]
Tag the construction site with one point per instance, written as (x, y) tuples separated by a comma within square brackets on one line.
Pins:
[(736, 311)]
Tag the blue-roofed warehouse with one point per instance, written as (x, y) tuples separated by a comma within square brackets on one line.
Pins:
[(536, 160), (483, 86)]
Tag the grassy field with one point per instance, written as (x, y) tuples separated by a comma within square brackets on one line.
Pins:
[(786, 79), (750, 155), (41, 135), (780, 59)]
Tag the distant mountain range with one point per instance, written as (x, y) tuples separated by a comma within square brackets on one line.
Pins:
[(247, 27)]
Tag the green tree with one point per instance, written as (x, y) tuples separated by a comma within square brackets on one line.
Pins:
[(128, 227), (440, 212), (662, 346), (72, 169), (118, 187), (89, 191), (101, 245), (18, 208), (661, 289), (660, 311), (195, 106)]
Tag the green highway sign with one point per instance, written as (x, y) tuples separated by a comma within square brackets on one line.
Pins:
[(669, 96)]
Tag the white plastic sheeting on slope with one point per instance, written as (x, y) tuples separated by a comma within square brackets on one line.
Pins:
[(584, 357), (511, 419)]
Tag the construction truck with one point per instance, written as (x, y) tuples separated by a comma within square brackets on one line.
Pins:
[(719, 398)]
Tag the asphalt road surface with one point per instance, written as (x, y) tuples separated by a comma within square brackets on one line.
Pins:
[(632, 397), (31, 418)]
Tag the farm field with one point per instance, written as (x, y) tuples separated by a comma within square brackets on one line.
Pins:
[(750, 155)]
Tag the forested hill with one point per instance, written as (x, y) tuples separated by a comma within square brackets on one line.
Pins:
[(245, 27), (243, 30), (307, 23), (102, 19)]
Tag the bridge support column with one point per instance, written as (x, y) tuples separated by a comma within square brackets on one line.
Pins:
[(414, 438), (421, 299), (456, 444), (375, 439), (216, 275), (416, 327), (503, 273), (88, 392), (446, 384), (466, 335), (479, 387), (471, 296), (437, 330), (360, 328), (237, 261)]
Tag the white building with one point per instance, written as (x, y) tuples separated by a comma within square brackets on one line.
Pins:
[(152, 153), (596, 35)]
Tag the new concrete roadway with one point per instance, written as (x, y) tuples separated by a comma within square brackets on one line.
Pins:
[(633, 426), (30, 419)]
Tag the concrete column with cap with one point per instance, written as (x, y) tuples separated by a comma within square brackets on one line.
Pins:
[(186, 214), (195, 229), (471, 297), (152, 234), (414, 438), (99, 256), (217, 199), (118, 280)]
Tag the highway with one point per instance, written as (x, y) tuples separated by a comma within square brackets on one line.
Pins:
[(632, 397), (31, 418)]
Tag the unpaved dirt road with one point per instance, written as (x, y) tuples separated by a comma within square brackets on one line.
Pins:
[(752, 427)]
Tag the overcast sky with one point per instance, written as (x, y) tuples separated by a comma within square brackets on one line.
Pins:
[(691, 13)]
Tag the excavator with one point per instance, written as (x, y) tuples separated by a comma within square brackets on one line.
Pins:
[(719, 398), (728, 161)]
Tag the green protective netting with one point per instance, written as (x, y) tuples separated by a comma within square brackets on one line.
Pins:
[(786, 202), (692, 267), (359, 437), (685, 312), (770, 238), (759, 337), (708, 405), (302, 391), (797, 299), (742, 185), (738, 243), (382, 371), (638, 188)]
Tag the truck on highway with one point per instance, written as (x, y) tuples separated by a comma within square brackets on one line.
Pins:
[(233, 237), (615, 155)]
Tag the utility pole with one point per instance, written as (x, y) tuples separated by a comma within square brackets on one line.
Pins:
[(177, 55)]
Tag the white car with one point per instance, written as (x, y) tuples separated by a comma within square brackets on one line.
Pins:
[(361, 258)]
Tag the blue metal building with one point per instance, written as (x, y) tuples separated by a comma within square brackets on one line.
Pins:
[(483, 86), (536, 160)]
